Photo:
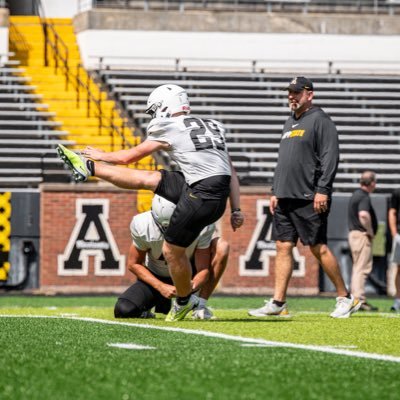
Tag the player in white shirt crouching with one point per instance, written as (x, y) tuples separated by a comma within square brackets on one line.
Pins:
[(154, 286)]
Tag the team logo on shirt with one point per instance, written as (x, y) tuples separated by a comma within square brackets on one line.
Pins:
[(91, 237), (261, 247), (294, 133)]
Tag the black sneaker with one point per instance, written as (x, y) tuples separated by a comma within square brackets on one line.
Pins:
[(368, 307)]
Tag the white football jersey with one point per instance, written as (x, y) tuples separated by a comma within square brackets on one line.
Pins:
[(196, 145), (147, 237)]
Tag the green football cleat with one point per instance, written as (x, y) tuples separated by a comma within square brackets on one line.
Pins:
[(75, 163), (178, 313)]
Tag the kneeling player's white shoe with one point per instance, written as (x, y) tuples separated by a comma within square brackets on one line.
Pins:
[(345, 307), (203, 312), (270, 309), (147, 315)]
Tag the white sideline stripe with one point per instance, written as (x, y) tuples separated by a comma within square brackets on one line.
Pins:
[(130, 346), (323, 349), (257, 345)]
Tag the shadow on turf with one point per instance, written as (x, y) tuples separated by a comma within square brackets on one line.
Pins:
[(254, 319)]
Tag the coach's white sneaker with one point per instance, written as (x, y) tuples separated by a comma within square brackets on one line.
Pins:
[(345, 307), (202, 312), (270, 309)]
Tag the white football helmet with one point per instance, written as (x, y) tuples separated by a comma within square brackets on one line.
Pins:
[(162, 210), (167, 100)]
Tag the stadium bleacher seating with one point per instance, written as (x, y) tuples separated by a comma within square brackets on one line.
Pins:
[(28, 135), (253, 108)]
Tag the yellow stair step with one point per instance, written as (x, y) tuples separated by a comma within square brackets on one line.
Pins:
[(85, 122), (28, 30), (95, 140), (107, 105), (88, 130), (69, 95), (84, 119), (23, 19), (59, 21)]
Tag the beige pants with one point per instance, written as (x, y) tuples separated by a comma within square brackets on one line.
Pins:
[(361, 251)]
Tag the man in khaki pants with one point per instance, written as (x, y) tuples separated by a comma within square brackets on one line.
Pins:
[(394, 226), (362, 226)]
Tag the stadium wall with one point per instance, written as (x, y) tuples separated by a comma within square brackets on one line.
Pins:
[(3, 34), (85, 240), (145, 38), (260, 22), (60, 8)]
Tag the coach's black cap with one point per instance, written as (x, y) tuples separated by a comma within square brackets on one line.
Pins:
[(299, 83)]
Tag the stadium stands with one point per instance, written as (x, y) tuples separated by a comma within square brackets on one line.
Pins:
[(253, 108), (28, 135), (80, 114)]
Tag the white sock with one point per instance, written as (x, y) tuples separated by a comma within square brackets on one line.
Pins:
[(202, 302)]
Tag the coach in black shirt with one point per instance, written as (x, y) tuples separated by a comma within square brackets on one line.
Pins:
[(307, 164)]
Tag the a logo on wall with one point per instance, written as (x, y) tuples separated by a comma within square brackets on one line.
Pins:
[(261, 247), (91, 237), (5, 230)]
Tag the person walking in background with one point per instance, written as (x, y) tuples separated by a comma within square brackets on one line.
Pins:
[(200, 190), (307, 163), (154, 286), (363, 226), (394, 227)]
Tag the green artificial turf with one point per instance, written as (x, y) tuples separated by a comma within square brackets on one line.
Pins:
[(64, 358)]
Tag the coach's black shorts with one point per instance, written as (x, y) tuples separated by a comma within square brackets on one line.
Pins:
[(294, 219), (144, 297), (197, 205)]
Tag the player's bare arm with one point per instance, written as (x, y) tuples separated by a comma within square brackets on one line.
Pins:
[(136, 266), (123, 157), (237, 217), (392, 220), (366, 222)]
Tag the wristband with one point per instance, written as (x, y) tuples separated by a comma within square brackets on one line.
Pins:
[(235, 210)]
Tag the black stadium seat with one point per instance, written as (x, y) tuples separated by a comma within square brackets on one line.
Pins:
[(28, 136)]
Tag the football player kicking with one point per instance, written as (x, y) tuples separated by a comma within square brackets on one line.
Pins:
[(200, 191), (154, 286)]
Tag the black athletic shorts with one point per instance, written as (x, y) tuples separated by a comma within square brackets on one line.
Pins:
[(197, 205), (295, 218), (145, 297)]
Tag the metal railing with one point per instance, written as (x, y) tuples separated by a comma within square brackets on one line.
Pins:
[(305, 6), (83, 88), (18, 43), (60, 57), (192, 64)]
